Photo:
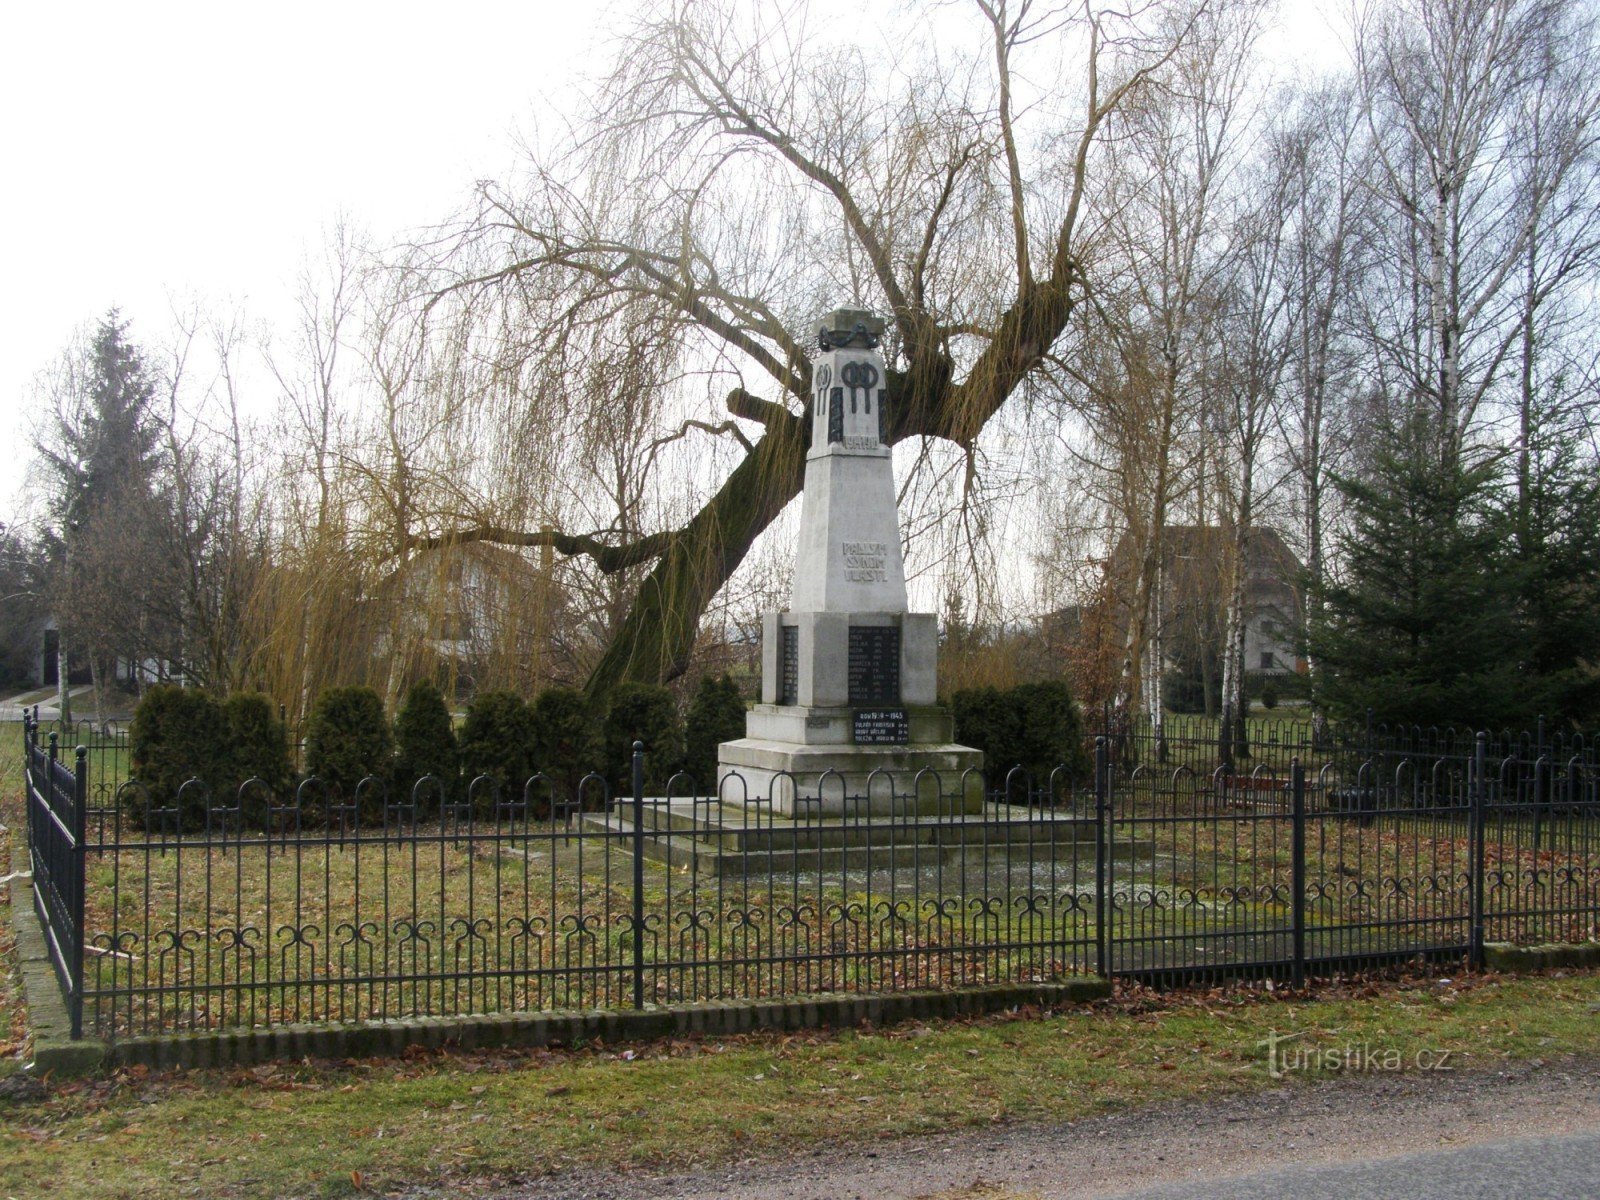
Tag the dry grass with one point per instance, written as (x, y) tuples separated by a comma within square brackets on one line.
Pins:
[(185, 935), (465, 1122)]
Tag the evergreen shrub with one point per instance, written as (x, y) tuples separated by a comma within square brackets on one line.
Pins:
[(646, 713), (258, 748), (716, 715), (566, 743), (348, 740), (178, 734), (1034, 726), (425, 744), (497, 741)]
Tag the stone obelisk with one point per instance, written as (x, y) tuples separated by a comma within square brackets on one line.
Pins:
[(848, 720)]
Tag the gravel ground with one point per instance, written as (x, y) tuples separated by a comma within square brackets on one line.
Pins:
[(1356, 1117)]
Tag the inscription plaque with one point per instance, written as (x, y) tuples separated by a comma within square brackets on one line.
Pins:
[(865, 562), (882, 727), (789, 665), (874, 664)]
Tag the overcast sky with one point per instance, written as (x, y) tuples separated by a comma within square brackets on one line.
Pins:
[(201, 150), (160, 149)]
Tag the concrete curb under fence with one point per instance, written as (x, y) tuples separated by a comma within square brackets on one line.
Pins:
[(54, 1051)]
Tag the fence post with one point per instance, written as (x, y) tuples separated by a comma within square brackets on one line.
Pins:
[(1297, 870), (1102, 811), (1475, 840), (80, 827), (638, 874)]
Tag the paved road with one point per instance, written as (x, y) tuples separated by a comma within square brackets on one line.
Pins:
[(1532, 1129), (1555, 1167), (11, 706)]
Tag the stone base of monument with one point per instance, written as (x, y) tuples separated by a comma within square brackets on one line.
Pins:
[(808, 760), (708, 837)]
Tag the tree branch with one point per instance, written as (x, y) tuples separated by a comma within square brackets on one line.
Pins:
[(610, 559), (705, 426), (753, 408), (721, 103)]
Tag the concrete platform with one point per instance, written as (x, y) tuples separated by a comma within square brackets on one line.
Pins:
[(844, 781), (802, 760), (732, 840)]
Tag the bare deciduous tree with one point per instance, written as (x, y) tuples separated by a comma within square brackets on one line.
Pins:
[(736, 178), (1478, 116)]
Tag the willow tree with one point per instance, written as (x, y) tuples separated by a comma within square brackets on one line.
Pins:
[(738, 174)]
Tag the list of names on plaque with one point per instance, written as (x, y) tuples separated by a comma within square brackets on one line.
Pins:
[(789, 667), (874, 668)]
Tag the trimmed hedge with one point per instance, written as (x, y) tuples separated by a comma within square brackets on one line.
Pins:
[(646, 713), (497, 739), (566, 744), (178, 734), (347, 740), (716, 715), (425, 744), (258, 748), (1034, 726)]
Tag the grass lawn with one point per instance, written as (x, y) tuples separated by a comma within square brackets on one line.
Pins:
[(13, 1017), (536, 919), (10, 759), (466, 1121)]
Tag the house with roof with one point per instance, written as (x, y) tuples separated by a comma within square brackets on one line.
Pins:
[(479, 615), (1197, 564)]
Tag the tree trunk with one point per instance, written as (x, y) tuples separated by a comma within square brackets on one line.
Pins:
[(63, 684), (1155, 669), (655, 639), (1231, 733), (97, 683)]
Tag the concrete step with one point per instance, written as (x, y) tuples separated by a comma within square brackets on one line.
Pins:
[(779, 849), (738, 828), (723, 853)]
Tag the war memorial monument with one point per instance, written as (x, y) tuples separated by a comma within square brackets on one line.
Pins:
[(848, 721)]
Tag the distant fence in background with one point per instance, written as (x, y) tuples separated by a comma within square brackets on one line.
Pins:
[(1174, 858)]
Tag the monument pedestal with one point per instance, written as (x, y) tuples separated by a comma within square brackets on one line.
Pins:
[(806, 760)]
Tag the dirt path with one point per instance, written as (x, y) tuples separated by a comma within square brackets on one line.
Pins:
[(1364, 1116)]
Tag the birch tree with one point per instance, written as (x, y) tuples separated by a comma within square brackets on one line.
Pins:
[(1163, 210), (1472, 156)]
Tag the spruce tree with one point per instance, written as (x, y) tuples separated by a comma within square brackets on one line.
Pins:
[(1418, 625), (112, 583), (1554, 521)]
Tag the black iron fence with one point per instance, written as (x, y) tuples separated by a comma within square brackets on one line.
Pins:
[(57, 810), (1172, 858)]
